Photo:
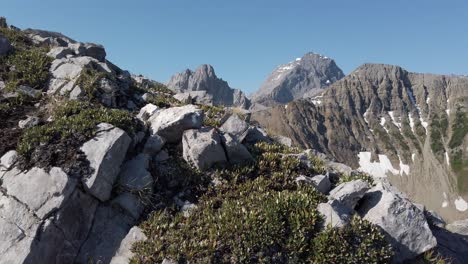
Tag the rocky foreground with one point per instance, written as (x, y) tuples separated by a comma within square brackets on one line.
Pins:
[(101, 166)]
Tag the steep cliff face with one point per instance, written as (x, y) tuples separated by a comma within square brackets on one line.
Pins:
[(384, 120), (204, 79), (301, 78)]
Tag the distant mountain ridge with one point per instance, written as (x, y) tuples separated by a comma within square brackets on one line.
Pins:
[(301, 78), (387, 121), (204, 79)]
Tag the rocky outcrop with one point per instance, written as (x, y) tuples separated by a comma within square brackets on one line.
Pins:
[(205, 79), (404, 223), (172, 122), (334, 214), (5, 45), (301, 78), (124, 253), (202, 148), (349, 193), (105, 153)]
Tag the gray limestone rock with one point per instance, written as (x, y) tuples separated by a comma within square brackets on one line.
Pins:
[(202, 148), (405, 225), (105, 152), (235, 151), (172, 122), (40, 190), (124, 253), (335, 214), (349, 193)]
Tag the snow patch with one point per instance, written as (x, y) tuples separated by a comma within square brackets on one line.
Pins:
[(285, 106), (327, 82), (461, 205), (404, 168), (398, 124), (413, 156), (298, 59), (316, 101), (445, 202), (423, 123), (365, 116), (382, 123), (377, 169), (447, 158), (411, 122), (428, 99), (448, 111)]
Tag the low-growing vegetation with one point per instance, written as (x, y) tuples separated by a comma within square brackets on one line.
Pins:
[(361, 176), (213, 115), (459, 128), (73, 119), (26, 64), (259, 214)]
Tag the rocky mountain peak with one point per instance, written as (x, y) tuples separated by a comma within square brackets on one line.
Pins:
[(205, 86), (300, 78)]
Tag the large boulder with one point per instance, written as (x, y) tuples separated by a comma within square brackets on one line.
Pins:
[(124, 253), (42, 191), (236, 152), (109, 230), (89, 49), (105, 152), (349, 193), (5, 45), (146, 112), (334, 214), (8, 160), (235, 126), (405, 225), (202, 148), (172, 122)]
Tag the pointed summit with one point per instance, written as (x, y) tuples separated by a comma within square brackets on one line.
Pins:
[(302, 77), (204, 82)]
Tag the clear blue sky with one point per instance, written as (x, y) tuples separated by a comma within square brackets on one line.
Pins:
[(245, 39)]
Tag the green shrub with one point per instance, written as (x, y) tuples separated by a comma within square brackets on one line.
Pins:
[(213, 115), (162, 100), (459, 128), (17, 38), (89, 81), (257, 215), (361, 176), (74, 118), (26, 67), (359, 242)]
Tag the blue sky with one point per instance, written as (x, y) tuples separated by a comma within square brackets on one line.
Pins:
[(246, 39)]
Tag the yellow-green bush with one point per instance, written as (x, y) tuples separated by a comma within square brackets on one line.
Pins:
[(258, 215)]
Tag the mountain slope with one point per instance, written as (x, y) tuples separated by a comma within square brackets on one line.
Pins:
[(383, 119), (204, 79), (300, 78)]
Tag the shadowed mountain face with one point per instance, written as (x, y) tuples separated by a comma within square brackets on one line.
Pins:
[(205, 79), (301, 78), (384, 120)]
